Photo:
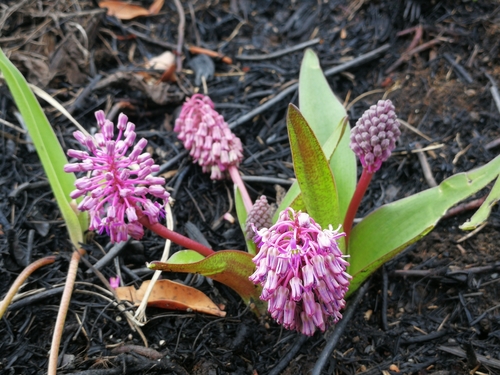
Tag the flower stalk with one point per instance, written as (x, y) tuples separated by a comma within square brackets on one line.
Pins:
[(359, 193), (175, 237)]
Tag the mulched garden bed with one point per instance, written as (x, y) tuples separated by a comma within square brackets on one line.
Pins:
[(432, 310)]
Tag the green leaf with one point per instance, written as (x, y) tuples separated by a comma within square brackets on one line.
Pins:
[(484, 211), (229, 267), (391, 228), (48, 148), (293, 198), (312, 170), (185, 256), (325, 114), (241, 212)]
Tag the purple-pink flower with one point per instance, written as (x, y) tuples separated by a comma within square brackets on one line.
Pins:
[(302, 271), (375, 134), (114, 282), (116, 184), (207, 136)]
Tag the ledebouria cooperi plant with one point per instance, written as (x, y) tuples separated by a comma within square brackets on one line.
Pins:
[(118, 183), (302, 271), (372, 140), (210, 142)]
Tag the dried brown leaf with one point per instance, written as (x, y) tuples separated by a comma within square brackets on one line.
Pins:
[(123, 11), (170, 295)]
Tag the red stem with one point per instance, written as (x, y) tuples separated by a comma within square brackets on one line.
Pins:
[(363, 183), (175, 237)]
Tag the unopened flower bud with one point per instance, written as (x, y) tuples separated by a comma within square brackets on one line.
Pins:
[(375, 134), (260, 216)]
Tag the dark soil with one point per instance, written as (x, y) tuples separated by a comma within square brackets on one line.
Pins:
[(437, 300)]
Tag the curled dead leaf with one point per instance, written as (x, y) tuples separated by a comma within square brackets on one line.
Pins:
[(170, 295), (123, 11), (127, 11)]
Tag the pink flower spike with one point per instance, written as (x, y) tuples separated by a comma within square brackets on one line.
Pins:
[(210, 142), (200, 122), (117, 185), (309, 291)]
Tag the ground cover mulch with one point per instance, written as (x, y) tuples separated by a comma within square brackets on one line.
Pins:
[(432, 310)]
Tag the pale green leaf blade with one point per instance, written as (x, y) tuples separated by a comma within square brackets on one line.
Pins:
[(312, 171), (389, 229), (484, 211), (47, 146), (185, 256), (325, 114), (317, 103)]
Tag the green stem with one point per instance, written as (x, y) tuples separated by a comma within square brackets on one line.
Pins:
[(21, 279), (361, 187), (175, 237)]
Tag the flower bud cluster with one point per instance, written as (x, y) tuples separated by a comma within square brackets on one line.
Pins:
[(207, 136), (302, 271), (375, 134), (260, 216), (116, 184)]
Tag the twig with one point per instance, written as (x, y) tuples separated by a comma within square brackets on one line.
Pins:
[(407, 55), (416, 38), (279, 53), (110, 255), (21, 279), (464, 207), (385, 287), (473, 233), (339, 330), (426, 169), (414, 129), (288, 356), (209, 52), (458, 68), (461, 353), (180, 32), (63, 311), (494, 90), (337, 69), (267, 180)]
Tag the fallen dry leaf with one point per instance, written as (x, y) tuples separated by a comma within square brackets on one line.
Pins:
[(161, 62), (156, 7), (123, 11), (127, 11), (170, 295)]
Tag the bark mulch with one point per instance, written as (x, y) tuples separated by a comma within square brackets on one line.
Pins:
[(432, 310)]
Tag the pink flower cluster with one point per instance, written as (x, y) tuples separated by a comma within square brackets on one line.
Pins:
[(375, 134), (205, 133), (116, 184), (302, 271)]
